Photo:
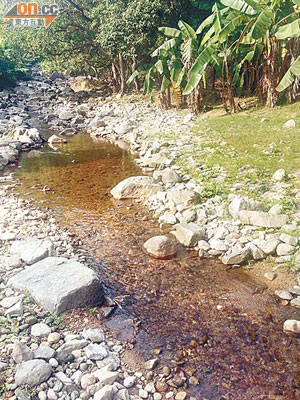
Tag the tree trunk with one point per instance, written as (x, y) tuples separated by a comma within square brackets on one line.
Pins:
[(114, 79), (136, 81), (122, 75)]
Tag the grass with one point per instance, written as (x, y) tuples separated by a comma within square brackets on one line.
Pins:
[(247, 148)]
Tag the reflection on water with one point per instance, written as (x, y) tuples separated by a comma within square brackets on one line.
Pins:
[(209, 323)]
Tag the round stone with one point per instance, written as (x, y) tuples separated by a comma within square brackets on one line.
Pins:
[(160, 247), (54, 337), (40, 330)]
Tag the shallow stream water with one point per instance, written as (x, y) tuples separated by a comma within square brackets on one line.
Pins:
[(217, 325)]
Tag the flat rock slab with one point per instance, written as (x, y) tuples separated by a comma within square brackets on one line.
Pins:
[(263, 219), (32, 250), (59, 284)]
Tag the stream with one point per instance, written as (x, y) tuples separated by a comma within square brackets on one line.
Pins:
[(219, 326)]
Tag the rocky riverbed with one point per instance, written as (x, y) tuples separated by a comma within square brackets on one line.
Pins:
[(89, 363)]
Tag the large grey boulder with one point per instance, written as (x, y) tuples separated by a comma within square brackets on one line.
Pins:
[(239, 203), (33, 372), (59, 284), (263, 219), (32, 250), (189, 234), (135, 187)]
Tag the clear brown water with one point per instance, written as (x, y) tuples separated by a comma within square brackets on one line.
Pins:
[(221, 326)]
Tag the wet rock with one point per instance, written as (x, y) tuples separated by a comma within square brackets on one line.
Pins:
[(32, 372), (160, 247), (283, 294), (135, 187), (292, 326), (59, 284), (237, 255), (265, 220), (32, 250), (189, 234)]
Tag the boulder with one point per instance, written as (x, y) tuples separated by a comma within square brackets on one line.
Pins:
[(237, 255), (160, 247), (244, 203), (67, 132), (32, 373), (263, 219), (189, 234), (59, 284), (32, 250), (135, 187)]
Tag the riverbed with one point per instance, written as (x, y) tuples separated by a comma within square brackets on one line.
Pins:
[(219, 326)]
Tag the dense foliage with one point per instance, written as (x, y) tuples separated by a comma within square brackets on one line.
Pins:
[(171, 46), (243, 45)]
